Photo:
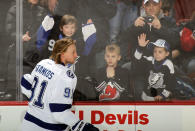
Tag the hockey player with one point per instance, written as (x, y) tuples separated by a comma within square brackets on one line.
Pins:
[(50, 89)]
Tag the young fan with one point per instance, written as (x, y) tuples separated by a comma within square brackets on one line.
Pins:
[(159, 70), (113, 81)]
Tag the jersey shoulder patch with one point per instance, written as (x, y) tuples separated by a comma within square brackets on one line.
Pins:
[(70, 74)]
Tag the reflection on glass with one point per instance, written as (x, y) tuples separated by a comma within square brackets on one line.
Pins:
[(29, 29)]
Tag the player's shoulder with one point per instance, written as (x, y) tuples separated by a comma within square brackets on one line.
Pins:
[(59, 69), (46, 61), (70, 74), (65, 71)]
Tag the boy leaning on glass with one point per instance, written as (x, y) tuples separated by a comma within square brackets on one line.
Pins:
[(159, 70)]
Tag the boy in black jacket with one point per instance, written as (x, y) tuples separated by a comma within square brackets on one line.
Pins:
[(159, 70), (113, 81)]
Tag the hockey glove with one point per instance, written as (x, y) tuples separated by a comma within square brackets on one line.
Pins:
[(83, 126)]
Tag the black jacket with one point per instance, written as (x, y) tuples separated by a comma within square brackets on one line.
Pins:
[(159, 75), (100, 11), (169, 32), (121, 84), (32, 18)]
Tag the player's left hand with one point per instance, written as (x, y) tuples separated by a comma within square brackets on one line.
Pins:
[(156, 22)]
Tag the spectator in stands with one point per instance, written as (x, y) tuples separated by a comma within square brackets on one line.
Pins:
[(168, 8), (113, 82), (34, 52), (188, 45), (50, 5), (127, 12), (32, 17), (160, 80), (155, 25), (66, 28), (50, 30)]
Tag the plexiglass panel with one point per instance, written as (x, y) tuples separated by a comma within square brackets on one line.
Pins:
[(8, 51), (114, 64)]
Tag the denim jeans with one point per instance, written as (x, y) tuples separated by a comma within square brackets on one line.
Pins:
[(124, 18)]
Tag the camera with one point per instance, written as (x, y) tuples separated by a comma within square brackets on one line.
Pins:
[(148, 19)]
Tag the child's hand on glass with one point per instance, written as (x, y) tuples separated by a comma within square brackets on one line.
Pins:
[(142, 40), (158, 98), (110, 71)]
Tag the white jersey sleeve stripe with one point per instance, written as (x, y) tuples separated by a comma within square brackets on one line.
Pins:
[(55, 107), (26, 85), (26, 82), (27, 93), (44, 125), (67, 117)]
